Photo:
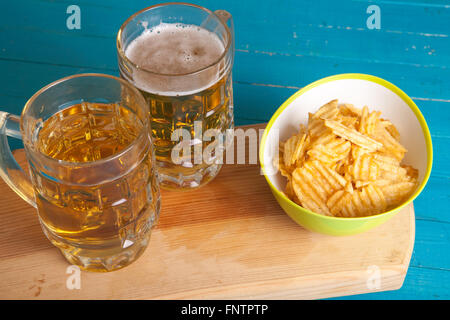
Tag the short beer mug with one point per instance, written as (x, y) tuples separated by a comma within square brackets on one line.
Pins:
[(90, 159), (180, 58)]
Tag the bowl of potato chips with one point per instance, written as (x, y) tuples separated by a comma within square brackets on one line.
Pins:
[(346, 153)]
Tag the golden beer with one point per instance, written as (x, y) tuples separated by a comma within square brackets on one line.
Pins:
[(184, 73), (213, 107), (92, 214)]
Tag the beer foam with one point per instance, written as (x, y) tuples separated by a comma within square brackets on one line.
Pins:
[(175, 49)]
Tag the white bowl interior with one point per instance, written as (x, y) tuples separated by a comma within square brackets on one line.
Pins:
[(359, 93)]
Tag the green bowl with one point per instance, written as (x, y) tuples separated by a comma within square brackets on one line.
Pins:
[(360, 90)]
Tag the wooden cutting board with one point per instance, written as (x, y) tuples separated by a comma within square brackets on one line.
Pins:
[(228, 240)]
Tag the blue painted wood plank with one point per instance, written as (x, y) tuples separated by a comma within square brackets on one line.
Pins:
[(290, 38), (420, 3), (281, 47), (294, 71), (434, 201), (432, 244), (315, 49), (441, 156), (419, 284), (437, 116), (260, 68), (396, 15)]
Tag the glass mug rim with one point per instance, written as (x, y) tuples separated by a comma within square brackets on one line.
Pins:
[(49, 159), (121, 51)]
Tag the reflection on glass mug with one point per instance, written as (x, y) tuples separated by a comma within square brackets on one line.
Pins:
[(91, 165), (180, 57)]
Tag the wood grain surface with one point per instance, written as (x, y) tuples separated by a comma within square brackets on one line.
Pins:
[(280, 48), (228, 240)]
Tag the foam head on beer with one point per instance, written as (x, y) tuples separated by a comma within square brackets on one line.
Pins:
[(172, 59)]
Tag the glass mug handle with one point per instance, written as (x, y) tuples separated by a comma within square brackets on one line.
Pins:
[(10, 170), (227, 19)]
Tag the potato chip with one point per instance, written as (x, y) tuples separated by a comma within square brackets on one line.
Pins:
[(302, 129), (348, 109), (289, 192), (346, 163), (316, 127), (397, 192), (325, 137), (389, 167), (363, 120), (289, 148), (411, 172), (328, 110), (340, 166), (357, 152), (349, 187), (390, 128), (318, 191), (364, 168), (349, 122), (369, 124), (353, 136), (331, 152), (299, 149), (377, 198), (334, 179), (337, 202), (390, 145), (284, 172), (309, 197), (369, 200), (381, 182)]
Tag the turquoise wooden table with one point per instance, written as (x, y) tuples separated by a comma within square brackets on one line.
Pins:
[(281, 46)]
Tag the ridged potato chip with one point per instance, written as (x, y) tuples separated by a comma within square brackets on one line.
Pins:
[(327, 111), (346, 162), (311, 195), (332, 151), (353, 136)]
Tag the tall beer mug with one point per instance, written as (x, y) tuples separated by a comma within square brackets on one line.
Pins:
[(90, 160), (180, 58)]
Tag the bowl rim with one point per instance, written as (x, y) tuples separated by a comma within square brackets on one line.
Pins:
[(353, 76)]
